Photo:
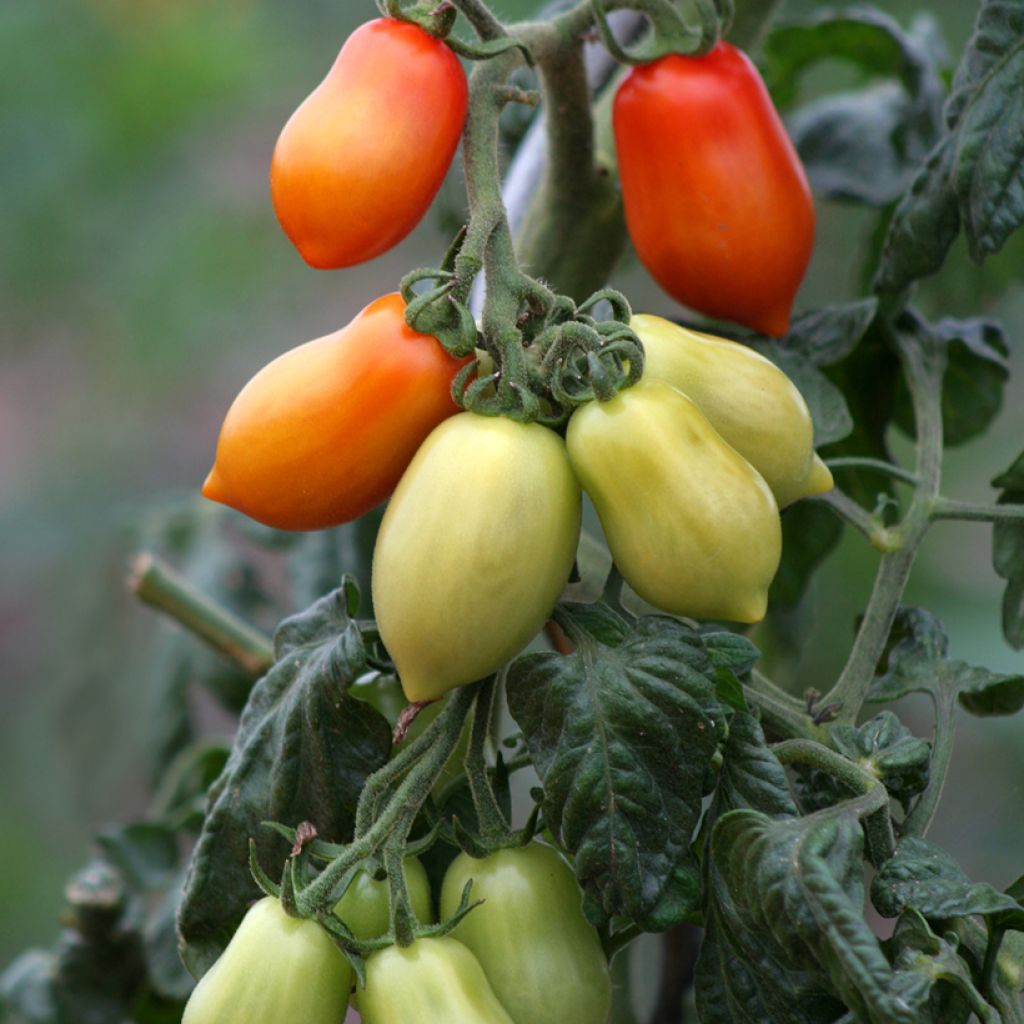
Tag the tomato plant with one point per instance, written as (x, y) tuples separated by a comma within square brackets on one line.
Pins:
[(357, 166), (603, 746)]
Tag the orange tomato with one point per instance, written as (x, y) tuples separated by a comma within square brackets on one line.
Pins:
[(323, 433), (362, 158), (716, 199)]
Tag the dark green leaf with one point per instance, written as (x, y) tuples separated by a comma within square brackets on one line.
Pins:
[(992, 694), (976, 374), (830, 334), (147, 854), (751, 775), (785, 938), (303, 752), (622, 733), (923, 877), (936, 976), (831, 415), (810, 531), (730, 650), (885, 749), (1008, 554), (166, 972)]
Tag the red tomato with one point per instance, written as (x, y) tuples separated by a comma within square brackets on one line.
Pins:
[(323, 433), (360, 161), (717, 202)]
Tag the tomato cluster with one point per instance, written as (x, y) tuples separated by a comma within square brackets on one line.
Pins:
[(526, 955)]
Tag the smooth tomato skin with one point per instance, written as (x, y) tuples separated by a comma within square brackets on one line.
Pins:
[(275, 968), (542, 957), (323, 433), (691, 525), (716, 199), (364, 906), (752, 404), (433, 981), (476, 544), (360, 161)]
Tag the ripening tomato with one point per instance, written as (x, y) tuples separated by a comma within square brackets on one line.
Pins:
[(365, 907), (433, 981), (275, 968), (716, 199), (323, 433), (691, 525), (474, 549), (362, 158), (542, 957), (750, 402)]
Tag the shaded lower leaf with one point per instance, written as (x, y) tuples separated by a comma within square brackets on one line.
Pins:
[(622, 733), (923, 877), (1008, 554), (751, 775), (303, 752), (786, 940)]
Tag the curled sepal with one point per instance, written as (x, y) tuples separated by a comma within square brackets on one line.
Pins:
[(318, 848), (437, 312), (671, 31), (622, 312), (530, 829), (490, 48), (467, 841), (259, 876), (588, 362)]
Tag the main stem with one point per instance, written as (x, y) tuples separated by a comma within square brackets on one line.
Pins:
[(923, 366)]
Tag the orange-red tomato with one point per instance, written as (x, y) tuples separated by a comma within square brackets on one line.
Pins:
[(323, 433), (362, 158), (717, 202)]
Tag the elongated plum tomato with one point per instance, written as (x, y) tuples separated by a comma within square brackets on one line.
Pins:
[(364, 906), (474, 549), (542, 957), (276, 968), (717, 202), (692, 526), (359, 162), (433, 981), (750, 402), (323, 433)]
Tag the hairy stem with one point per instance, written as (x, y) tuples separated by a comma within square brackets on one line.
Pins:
[(155, 583), (875, 808), (944, 508)]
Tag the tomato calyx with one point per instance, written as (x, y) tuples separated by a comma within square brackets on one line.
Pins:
[(671, 32)]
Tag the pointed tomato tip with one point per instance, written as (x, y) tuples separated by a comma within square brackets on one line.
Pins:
[(773, 322), (213, 487), (754, 610)]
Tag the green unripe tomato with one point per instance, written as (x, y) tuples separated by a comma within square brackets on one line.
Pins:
[(474, 549), (433, 981), (752, 404), (691, 525), (542, 957), (276, 968), (364, 907)]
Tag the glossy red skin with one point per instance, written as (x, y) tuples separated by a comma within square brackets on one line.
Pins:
[(716, 199), (360, 161), (323, 433)]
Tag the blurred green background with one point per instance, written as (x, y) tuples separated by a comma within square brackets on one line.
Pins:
[(144, 279)]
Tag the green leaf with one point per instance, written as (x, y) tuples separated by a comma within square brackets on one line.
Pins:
[(975, 174), (303, 752), (884, 748), (923, 877), (810, 531), (1008, 555), (622, 733), (732, 651), (165, 971), (146, 853), (918, 663), (785, 938), (751, 775), (976, 375), (937, 978)]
